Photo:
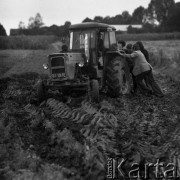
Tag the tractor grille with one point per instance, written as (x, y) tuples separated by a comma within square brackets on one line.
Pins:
[(58, 67), (57, 61)]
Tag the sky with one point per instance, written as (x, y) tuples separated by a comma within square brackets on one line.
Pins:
[(59, 11)]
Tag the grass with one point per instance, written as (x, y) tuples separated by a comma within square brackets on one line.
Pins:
[(43, 41), (20, 61), (165, 55), (26, 42), (149, 36), (170, 66)]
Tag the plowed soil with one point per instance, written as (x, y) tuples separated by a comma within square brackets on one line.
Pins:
[(44, 141)]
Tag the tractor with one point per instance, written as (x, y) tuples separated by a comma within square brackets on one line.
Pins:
[(92, 64)]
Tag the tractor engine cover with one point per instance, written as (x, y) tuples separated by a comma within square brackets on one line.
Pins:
[(62, 65)]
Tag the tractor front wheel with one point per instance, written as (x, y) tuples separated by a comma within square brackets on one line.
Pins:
[(118, 77), (94, 90), (40, 91)]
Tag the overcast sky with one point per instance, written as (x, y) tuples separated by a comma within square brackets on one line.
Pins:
[(59, 11)]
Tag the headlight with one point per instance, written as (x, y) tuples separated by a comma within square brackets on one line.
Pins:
[(45, 66), (80, 64)]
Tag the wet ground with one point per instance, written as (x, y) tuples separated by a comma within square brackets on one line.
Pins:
[(74, 139)]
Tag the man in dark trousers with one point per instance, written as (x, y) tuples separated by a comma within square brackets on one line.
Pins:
[(142, 70)]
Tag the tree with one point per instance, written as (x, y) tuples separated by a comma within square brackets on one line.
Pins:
[(35, 22), (126, 17), (87, 20), (138, 15), (159, 10), (66, 28), (21, 25), (98, 19), (148, 28), (117, 19), (67, 24), (173, 21), (107, 20), (2, 30)]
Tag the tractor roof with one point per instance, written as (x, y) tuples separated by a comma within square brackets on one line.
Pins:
[(91, 25)]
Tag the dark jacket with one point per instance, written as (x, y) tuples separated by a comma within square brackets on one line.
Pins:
[(143, 50), (100, 47), (146, 54)]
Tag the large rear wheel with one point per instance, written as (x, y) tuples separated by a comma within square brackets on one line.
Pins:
[(118, 77)]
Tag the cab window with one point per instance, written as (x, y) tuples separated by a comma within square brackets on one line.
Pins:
[(77, 40), (106, 40), (112, 37)]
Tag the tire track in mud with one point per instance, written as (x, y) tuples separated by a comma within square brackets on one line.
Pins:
[(141, 128), (95, 124), (148, 127)]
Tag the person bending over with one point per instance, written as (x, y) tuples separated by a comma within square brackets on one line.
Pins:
[(142, 70)]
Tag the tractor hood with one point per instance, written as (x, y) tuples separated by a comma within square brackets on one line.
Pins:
[(62, 65)]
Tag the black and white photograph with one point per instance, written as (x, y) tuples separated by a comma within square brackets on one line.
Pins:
[(89, 89)]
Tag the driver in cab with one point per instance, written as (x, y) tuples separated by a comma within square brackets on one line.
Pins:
[(100, 46)]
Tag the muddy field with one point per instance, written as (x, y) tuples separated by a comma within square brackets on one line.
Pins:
[(72, 138)]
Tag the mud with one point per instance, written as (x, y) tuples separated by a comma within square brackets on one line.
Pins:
[(73, 139)]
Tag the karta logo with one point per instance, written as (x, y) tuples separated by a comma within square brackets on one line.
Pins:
[(120, 168)]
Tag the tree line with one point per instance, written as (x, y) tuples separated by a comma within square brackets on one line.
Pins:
[(159, 16)]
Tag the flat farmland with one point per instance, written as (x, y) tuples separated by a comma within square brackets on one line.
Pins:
[(17, 61), (20, 61)]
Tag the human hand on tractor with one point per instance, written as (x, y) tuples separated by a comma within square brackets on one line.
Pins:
[(122, 53)]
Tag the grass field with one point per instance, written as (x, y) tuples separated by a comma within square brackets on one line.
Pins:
[(42, 41), (27, 42), (20, 61), (169, 47), (148, 36)]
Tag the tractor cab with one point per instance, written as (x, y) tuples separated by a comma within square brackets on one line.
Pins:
[(92, 39)]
